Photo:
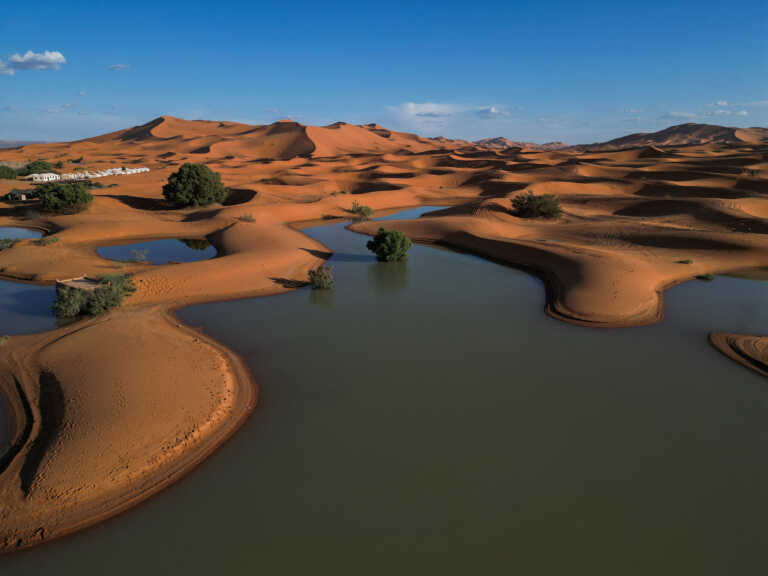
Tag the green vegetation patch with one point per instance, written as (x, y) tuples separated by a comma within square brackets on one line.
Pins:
[(36, 167), (390, 245), (362, 211), (7, 173), (46, 240), (528, 205), (7, 243), (64, 198), (321, 278), (194, 185), (112, 290)]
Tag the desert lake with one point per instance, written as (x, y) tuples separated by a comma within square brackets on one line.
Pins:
[(428, 417)]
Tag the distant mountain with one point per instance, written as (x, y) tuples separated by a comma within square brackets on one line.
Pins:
[(15, 143), (501, 143), (684, 135)]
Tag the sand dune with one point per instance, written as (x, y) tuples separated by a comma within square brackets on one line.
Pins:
[(636, 221)]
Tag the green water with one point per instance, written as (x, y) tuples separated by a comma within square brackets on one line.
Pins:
[(428, 418)]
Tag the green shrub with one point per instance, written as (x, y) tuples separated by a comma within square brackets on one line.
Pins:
[(7, 243), (686, 261), (64, 198), (36, 167), (47, 240), (138, 256), (246, 218), (321, 278), (4, 340), (705, 277), (7, 173), (528, 205), (390, 245), (362, 211), (196, 243), (59, 165), (194, 185), (112, 290)]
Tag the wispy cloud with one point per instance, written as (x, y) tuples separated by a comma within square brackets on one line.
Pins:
[(118, 67), (742, 113), (48, 60), (679, 115), (721, 103)]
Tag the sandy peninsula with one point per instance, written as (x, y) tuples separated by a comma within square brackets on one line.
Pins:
[(110, 410)]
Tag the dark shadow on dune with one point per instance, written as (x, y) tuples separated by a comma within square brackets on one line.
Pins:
[(138, 203), (318, 253), (51, 405), (201, 215), (239, 196), (500, 187), (393, 175), (15, 448), (674, 175), (679, 242), (699, 211), (201, 150), (659, 190), (368, 187), (289, 282), (759, 186)]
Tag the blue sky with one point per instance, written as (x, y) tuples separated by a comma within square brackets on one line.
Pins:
[(572, 71)]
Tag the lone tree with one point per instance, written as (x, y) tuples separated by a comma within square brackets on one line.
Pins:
[(194, 185), (390, 245), (528, 205), (64, 197), (7, 173), (36, 167)]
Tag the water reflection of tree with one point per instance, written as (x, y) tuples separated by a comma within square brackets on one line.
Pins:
[(196, 243), (322, 298), (387, 277)]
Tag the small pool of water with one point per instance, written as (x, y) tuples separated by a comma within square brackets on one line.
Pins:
[(26, 308), (19, 233), (160, 251)]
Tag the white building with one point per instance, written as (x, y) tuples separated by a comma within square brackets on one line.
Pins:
[(45, 177)]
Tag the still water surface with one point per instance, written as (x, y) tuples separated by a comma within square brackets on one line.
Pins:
[(160, 251), (428, 418)]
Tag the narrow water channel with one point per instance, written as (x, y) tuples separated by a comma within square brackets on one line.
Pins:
[(428, 418)]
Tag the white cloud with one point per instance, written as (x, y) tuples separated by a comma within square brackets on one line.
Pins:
[(118, 67), (4, 69), (755, 104), (48, 60), (721, 112), (82, 93), (674, 115), (424, 110), (490, 112), (721, 103), (742, 113)]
